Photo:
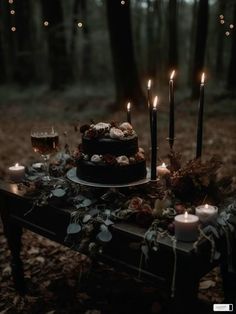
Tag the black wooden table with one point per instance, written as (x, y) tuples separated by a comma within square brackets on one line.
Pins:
[(123, 250)]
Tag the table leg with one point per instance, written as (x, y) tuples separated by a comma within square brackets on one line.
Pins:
[(13, 234), (186, 295), (228, 272)]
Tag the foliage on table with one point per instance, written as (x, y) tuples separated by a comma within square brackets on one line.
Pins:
[(197, 181)]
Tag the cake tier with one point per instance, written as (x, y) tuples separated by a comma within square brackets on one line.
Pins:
[(116, 147), (111, 174)]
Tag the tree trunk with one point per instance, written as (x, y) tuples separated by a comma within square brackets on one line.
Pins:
[(200, 46), (24, 70), (59, 60), (158, 12), (8, 40), (2, 59), (173, 34), (220, 42), (231, 84), (191, 40), (73, 52), (86, 69), (151, 57), (125, 69)]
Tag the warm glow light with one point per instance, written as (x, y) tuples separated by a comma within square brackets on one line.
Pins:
[(80, 24), (206, 206), (155, 102), (13, 29), (231, 26), (163, 165), (12, 12), (16, 165), (222, 22), (172, 75), (227, 33), (221, 16), (203, 78), (45, 23), (128, 106), (149, 84), (10, 1), (186, 216), (122, 2)]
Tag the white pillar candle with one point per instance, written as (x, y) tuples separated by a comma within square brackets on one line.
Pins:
[(162, 170), (207, 213), (186, 227), (16, 173)]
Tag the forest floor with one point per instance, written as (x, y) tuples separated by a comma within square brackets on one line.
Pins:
[(55, 281)]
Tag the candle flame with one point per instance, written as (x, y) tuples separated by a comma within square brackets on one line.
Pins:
[(128, 106), (206, 206), (203, 78), (155, 102), (185, 215), (172, 75), (163, 165), (149, 84), (16, 165)]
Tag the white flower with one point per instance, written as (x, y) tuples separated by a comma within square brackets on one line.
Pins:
[(96, 158), (122, 160), (102, 126), (126, 126), (116, 133)]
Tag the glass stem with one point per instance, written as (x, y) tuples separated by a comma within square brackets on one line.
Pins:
[(46, 165)]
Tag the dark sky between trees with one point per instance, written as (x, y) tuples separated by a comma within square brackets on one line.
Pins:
[(118, 43)]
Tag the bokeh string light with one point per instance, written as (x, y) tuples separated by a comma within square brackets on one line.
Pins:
[(228, 26), (12, 15)]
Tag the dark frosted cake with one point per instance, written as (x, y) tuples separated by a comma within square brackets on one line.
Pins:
[(109, 154)]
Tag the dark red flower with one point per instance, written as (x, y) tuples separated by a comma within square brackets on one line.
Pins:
[(109, 159), (91, 133), (84, 128)]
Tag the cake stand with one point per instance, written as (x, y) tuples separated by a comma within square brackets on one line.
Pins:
[(112, 188)]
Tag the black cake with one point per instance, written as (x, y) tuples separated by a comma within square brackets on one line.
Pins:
[(109, 154)]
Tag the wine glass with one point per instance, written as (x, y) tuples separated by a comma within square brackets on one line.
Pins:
[(45, 141)]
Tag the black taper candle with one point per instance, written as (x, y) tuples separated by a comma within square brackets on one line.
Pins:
[(149, 105), (172, 112), (154, 140), (129, 112), (200, 119)]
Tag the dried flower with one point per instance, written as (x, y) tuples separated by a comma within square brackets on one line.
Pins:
[(109, 159), (135, 203), (84, 128)]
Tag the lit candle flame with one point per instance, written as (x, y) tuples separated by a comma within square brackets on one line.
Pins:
[(172, 75), (203, 78), (206, 206), (155, 102), (186, 216), (149, 84), (163, 165), (16, 165), (128, 106)]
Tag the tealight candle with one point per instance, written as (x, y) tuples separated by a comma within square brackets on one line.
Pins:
[(16, 173), (162, 170), (186, 227), (207, 213)]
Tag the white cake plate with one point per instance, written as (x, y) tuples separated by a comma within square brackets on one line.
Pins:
[(71, 175)]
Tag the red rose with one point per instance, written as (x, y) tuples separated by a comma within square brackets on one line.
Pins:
[(84, 128), (91, 133), (109, 159), (135, 203)]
